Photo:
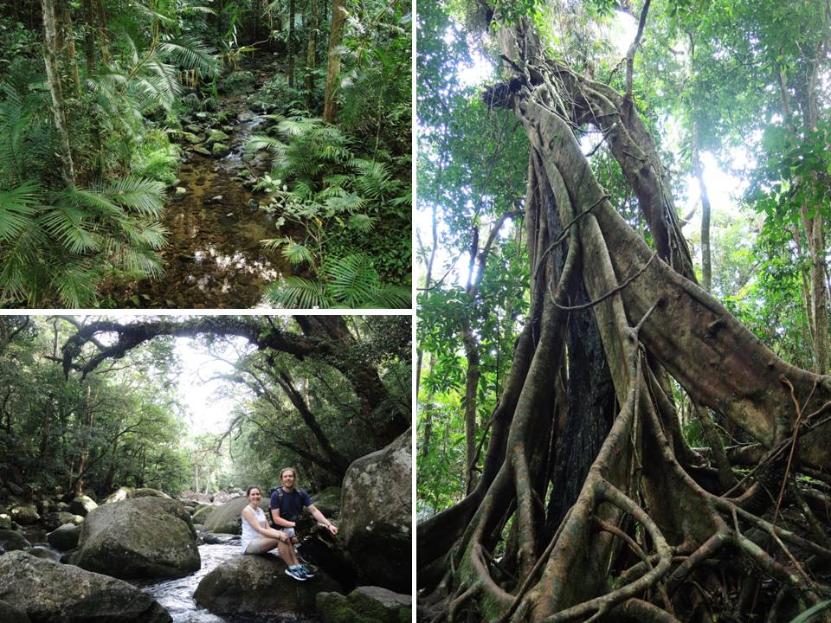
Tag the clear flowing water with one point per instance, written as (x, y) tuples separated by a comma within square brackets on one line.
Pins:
[(176, 596)]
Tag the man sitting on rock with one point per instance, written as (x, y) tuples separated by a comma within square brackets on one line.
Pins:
[(288, 502)]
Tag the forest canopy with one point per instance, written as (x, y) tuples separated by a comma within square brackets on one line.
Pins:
[(121, 413), (623, 334), (205, 153)]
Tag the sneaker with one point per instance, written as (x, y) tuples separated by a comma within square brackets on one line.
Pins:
[(296, 573), (308, 571)]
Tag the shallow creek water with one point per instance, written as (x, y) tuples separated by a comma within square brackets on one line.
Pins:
[(214, 257), (176, 596)]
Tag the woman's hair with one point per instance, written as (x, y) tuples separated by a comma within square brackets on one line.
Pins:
[(288, 469), (251, 488)]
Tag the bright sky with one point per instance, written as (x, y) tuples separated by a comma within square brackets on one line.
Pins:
[(208, 401)]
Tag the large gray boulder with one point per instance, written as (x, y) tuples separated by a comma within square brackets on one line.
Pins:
[(146, 537), (225, 519), (201, 514), (258, 586), (366, 604), (376, 518), (127, 493), (49, 592)]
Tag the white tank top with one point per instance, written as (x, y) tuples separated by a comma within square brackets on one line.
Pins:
[(248, 533)]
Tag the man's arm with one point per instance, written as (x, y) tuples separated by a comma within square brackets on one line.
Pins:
[(321, 519), (280, 521)]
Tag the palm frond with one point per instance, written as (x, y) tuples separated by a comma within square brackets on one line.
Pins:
[(137, 194), (17, 206), (297, 254), (190, 53), (297, 293), (352, 280)]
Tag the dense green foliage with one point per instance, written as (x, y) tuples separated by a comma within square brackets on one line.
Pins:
[(62, 435), (128, 424), (737, 83), (86, 153)]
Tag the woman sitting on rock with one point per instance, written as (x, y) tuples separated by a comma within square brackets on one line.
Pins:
[(258, 538)]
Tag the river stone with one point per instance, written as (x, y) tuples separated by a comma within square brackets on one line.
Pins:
[(54, 520), (181, 191), (49, 592), (43, 552), (12, 540), (200, 149), (25, 515), (217, 136), (192, 138), (9, 614), (82, 505), (225, 519), (366, 604), (65, 537), (258, 585), (220, 539), (145, 537), (5, 522), (376, 515), (219, 148), (201, 514)]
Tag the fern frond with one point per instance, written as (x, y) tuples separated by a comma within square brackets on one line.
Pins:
[(137, 194), (190, 53), (362, 222), (297, 293), (17, 206), (352, 280), (260, 142), (297, 254)]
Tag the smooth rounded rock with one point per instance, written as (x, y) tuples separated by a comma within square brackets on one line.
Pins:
[(11, 540), (226, 518), (64, 537), (146, 537), (82, 505), (25, 515), (258, 586), (366, 604)]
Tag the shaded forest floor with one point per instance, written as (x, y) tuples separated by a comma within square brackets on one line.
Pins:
[(214, 257)]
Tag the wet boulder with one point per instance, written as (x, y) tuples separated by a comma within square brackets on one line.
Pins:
[(366, 604), (11, 540), (54, 520), (64, 537), (38, 551), (25, 514), (147, 537), (201, 514), (217, 136), (5, 521), (375, 524), (82, 505), (225, 519), (49, 592), (220, 149), (258, 586)]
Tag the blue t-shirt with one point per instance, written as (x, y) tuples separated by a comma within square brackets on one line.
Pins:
[(291, 504)]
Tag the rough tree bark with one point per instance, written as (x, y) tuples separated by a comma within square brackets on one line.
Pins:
[(333, 65), (53, 78), (650, 525)]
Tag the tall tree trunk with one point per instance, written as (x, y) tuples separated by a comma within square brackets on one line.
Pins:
[(706, 263), (290, 45), (311, 52), (53, 78), (333, 66)]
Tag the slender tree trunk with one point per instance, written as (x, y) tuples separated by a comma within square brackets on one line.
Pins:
[(290, 44), (706, 264), (68, 41), (53, 78), (333, 67), (311, 53)]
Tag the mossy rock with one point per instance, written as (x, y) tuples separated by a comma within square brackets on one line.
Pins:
[(192, 138), (217, 136), (200, 149), (366, 604), (219, 149)]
